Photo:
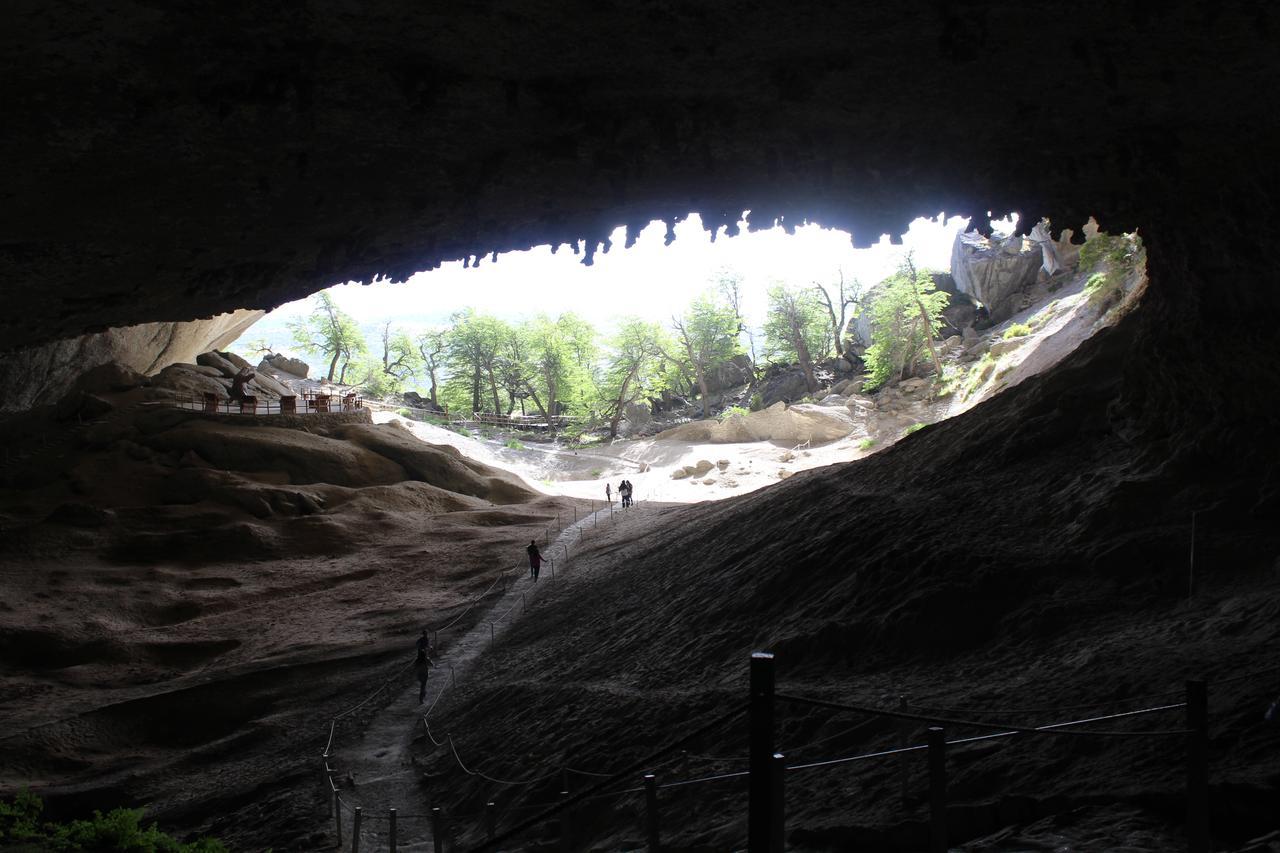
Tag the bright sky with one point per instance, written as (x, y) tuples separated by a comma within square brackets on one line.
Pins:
[(650, 280)]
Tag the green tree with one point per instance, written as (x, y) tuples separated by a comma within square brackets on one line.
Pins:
[(707, 334), (432, 346), (475, 344), (837, 299), (906, 314), (795, 328), (560, 363), (331, 333), (637, 348), (399, 355)]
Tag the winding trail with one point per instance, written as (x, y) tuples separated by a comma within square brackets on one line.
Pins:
[(379, 758)]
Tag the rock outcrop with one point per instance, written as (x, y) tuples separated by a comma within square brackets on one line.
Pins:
[(43, 374), (994, 271), (293, 366), (802, 423)]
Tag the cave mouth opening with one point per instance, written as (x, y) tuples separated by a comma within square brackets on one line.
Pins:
[(726, 363)]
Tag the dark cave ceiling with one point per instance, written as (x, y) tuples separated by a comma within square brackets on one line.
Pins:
[(168, 163)]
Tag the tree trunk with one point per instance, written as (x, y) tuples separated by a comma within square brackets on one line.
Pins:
[(333, 365), (928, 335), (620, 402), (493, 387), (475, 389), (431, 372)]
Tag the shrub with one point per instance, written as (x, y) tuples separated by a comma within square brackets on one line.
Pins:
[(1114, 256), (757, 402), (1017, 330), (731, 411), (514, 444), (404, 413), (461, 430), (117, 830), (866, 444), (916, 427), (596, 472)]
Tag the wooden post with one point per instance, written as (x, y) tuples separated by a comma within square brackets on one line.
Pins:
[(437, 830), (391, 830), (904, 734), (652, 826), (524, 605), (1198, 836), (566, 825), (937, 790), (453, 678), (490, 820), (760, 740), (355, 830), (491, 634), (337, 816), (778, 806)]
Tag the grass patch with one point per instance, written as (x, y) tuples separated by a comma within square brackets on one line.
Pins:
[(596, 472), (461, 430), (514, 444), (916, 427), (979, 374), (731, 411), (1017, 330), (866, 444)]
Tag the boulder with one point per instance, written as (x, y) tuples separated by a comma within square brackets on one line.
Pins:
[(681, 473), (701, 467), (181, 380), (730, 374), (293, 366), (216, 361), (722, 464), (816, 424), (999, 348), (108, 377), (783, 385), (635, 417), (236, 361), (267, 385), (994, 271)]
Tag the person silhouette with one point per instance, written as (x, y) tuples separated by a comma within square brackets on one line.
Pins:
[(535, 559), (421, 668)]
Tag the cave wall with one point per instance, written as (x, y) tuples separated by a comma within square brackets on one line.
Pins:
[(40, 375), (170, 163)]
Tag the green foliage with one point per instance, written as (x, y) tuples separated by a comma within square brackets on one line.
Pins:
[(899, 334), (331, 333), (731, 412), (596, 472), (979, 373), (404, 413), (461, 430), (796, 326), (514, 444), (757, 402), (117, 830), (631, 372), (1114, 256), (866, 444), (916, 427), (1017, 330), (707, 334)]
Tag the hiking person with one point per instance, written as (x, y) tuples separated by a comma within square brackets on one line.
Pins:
[(626, 496), (608, 493), (424, 642), (421, 667), (535, 559)]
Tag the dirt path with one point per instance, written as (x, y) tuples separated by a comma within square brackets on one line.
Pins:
[(378, 760)]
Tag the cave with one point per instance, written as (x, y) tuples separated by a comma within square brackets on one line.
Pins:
[(174, 165)]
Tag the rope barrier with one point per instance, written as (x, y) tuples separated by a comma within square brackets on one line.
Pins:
[(948, 721), (631, 768), (453, 747)]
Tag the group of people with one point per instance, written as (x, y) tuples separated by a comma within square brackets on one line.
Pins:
[(624, 492)]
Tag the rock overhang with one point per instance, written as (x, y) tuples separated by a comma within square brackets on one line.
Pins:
[(172, 165)]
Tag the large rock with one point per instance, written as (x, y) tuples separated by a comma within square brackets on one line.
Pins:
[(188, 381), (293, 366), (797, 424), (730, 374), (782, 385), (994, 271), (218, 362), (41, 375), (635, 417)]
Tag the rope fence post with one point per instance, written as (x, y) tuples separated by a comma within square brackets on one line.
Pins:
[(937, 790), (760, 739), (491, 634), (490, 820), (904, 736), (391, 830), (453, 678), (778, 804), (337, 815), (1198, 840), (566, 824), (437, 830), (355, 830), (653, 831)]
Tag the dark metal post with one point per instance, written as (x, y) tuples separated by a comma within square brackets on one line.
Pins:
[(437, 830), (652, 827), (355, 831), (566, 825), (937, 790), (760, 739), (1198, 840), (337, 815), (904, 734), (391, 830), (490, 820), (778, 807)]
